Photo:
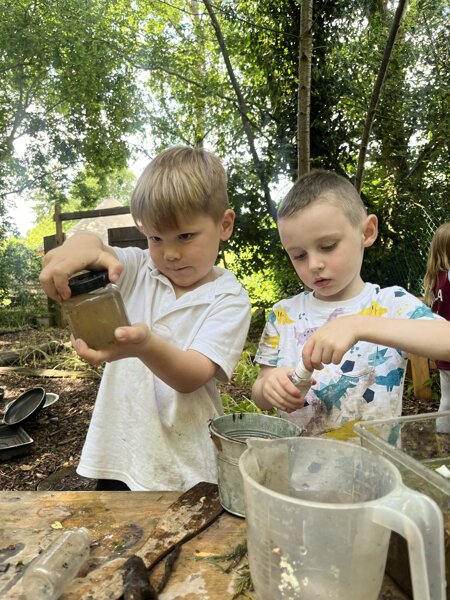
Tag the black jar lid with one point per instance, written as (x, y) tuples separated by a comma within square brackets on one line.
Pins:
[(88, 281)]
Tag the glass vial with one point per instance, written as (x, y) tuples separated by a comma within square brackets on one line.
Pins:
[(301, 378), (46, 577), (95, 309)]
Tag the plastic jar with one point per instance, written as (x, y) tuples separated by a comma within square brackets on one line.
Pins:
[(301, 378), (46, 577), (95, 309)]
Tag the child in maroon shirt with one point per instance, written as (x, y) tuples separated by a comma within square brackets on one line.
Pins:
[(437, 295)]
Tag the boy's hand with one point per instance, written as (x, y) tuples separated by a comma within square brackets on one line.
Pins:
[(279, 391), (76, 254), (131, 342), (329, 343)]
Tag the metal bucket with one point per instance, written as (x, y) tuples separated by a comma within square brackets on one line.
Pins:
[(229, 434)]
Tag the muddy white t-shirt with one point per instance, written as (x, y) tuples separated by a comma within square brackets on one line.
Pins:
[(142, 431), (368, 383)]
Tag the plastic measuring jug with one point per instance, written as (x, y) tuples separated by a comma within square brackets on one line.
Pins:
[(319, 518)]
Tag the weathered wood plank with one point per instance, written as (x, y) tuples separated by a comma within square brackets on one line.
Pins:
[(420, 371), (120, 523), (192, 512)]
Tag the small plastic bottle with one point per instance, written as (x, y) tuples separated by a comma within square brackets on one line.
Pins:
[(301, 378), (95, 309), (48, 574)]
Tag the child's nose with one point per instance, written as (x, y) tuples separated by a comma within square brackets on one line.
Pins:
[(316, 263), (171, 253)]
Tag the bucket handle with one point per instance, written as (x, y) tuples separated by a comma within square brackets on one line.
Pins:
[(215, 438), (418, 519)]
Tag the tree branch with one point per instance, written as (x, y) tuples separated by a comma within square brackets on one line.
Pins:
[(243, 111), (377, 91)]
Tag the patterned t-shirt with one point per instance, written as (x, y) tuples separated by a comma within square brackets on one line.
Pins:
[(368, 383)]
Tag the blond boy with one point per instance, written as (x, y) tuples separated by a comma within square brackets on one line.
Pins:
[(149, 428)]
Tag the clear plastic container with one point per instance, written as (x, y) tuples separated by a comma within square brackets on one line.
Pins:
[(301, 378), (319, 518), (95, 309), (417, 445), (46, 577)]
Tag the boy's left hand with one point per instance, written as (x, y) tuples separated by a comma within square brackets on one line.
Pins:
[(329, 343), (130, 342)]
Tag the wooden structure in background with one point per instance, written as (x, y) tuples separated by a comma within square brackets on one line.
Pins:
[(59, 217), (127, 236), (420, 374)]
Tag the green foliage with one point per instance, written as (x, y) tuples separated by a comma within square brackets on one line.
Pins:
[(434, 383), (18, 272), (244, 377), (232, 405), (89, 189), (79, 79), (68, 96), (35, 236), (246, 371)]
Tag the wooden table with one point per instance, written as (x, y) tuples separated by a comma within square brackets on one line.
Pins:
[(119, 522)]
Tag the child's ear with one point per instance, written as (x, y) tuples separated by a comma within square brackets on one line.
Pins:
[(227, 224), (369, 230)]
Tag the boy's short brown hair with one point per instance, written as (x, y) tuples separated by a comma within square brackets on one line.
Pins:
[(179, 182), (325, 186)]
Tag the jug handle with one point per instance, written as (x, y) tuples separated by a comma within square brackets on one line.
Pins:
[(419, 520)]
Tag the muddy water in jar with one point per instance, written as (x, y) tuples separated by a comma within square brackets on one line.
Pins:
[(95, 309)]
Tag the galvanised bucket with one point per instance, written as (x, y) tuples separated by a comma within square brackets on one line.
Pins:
[(229, 434)]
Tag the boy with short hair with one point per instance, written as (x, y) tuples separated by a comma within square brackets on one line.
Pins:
[(149, 428), (356, 335)]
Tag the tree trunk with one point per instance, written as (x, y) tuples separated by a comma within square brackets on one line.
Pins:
[(304, 88), (200, 67)]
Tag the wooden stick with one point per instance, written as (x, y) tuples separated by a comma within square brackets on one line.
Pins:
[(136, 584)]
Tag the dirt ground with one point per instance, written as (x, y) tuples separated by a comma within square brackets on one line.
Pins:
[(58, 431)]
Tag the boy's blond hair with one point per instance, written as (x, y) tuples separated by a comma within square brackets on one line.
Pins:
[(181, 181), (325, 186), (438, 260)]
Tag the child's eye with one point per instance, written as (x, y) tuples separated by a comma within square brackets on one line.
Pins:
[(153, 238), (301, 256), (329, 247), (185, 236)]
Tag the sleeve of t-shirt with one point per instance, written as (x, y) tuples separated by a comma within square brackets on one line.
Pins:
[(403, 305), (222, 334), (133, 260), (269, 344)]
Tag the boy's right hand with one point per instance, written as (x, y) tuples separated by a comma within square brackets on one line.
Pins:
[(277, 390), (76, 254)]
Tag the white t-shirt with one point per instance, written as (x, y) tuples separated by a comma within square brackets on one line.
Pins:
[(142, 431), (368, 383)]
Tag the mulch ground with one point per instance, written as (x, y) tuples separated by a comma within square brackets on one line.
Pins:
[(58, 431)]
